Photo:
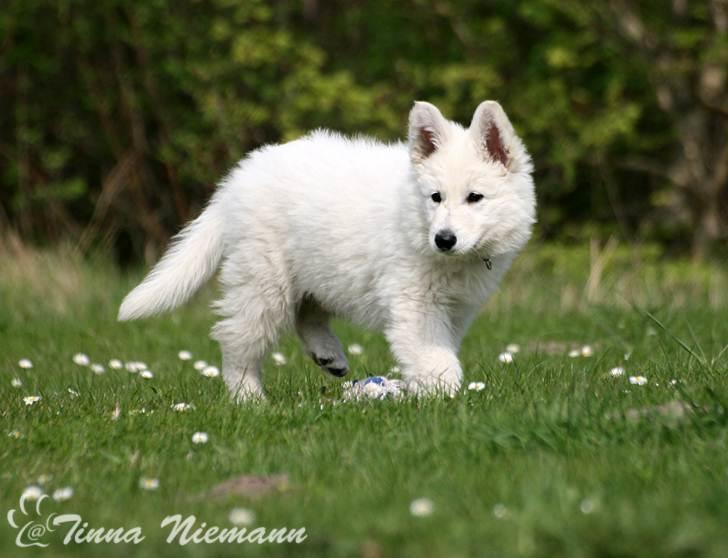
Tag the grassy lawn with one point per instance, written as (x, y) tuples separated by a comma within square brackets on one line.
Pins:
[(555, 457)]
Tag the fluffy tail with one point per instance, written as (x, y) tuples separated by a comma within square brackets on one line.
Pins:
[(190, 261)]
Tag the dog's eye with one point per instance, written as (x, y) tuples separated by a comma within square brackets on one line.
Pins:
[(474, 197), (436, 197)]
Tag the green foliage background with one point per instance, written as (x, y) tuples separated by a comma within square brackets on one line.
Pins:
[(118, 117)]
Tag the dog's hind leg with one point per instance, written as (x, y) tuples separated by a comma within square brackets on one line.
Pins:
[(312, 325), (255, 312), (244, 340)]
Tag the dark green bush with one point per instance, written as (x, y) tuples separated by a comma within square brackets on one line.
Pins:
[(118, 117)]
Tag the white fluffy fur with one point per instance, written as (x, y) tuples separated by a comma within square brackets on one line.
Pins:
[(326, 225)]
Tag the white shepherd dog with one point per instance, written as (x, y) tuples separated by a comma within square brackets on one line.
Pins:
[(410, 239)]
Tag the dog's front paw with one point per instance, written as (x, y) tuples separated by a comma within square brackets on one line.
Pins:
[(434, 386)]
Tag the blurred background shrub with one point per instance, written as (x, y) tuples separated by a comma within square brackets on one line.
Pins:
[(117, 117)]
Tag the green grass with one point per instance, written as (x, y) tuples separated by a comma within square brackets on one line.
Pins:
[(547, 440)]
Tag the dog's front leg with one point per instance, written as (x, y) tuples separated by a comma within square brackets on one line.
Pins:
[(424, 342)]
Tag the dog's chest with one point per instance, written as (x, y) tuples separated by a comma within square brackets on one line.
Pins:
[(471, 285), (368, 296)]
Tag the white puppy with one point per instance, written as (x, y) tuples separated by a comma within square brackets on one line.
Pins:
[(410, 239)]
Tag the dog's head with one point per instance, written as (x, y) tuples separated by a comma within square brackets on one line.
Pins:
[(475, 184)]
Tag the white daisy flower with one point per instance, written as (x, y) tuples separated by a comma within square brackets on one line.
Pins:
[(200, 365), (17, 434), (476, 386), (673, 382), (574, 353), (81, 359), (135, 366), (355, 349), (181, 407), (616, 371), (98, 369), (279, 359), (587, 506), (587, 351), (200, 438), (146, 374), (500, 511), (146, 483), (25, 363), (31, 399), (513, 348), (73, 393), (505, 358), (241, 516), (32, 492), (116, 413), (184, 355), (421, 507), (63, 494), (43, 479), (637, 380), (210, 372), (116, 364), (16, 382)]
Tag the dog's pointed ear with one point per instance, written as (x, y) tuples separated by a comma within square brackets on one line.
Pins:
[(427, 129), (495, 137)]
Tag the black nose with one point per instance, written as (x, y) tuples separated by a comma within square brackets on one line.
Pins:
[(445, 240)]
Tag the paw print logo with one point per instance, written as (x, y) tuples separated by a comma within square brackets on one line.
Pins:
[(31, 527)]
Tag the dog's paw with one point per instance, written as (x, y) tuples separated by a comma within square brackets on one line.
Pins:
[(249, 393), (433, 386), (334, 363)]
